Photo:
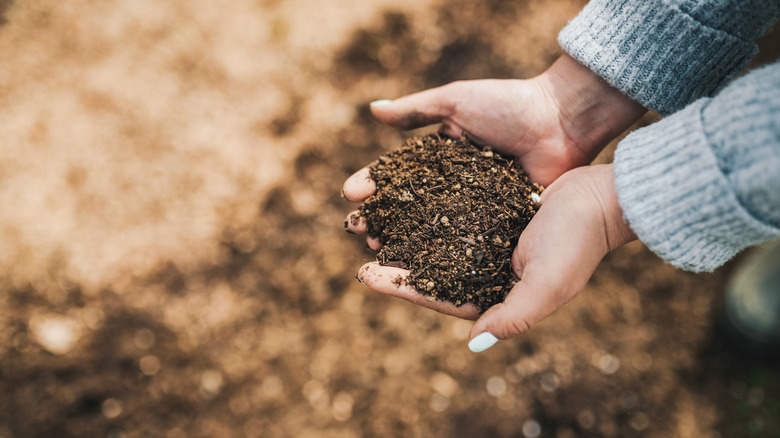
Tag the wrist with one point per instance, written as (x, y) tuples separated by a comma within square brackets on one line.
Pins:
[(616, 229), (591, 112)]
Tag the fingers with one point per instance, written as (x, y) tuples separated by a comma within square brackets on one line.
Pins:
[(355, 224), (390, 281), (416, 110), (451, 130), (524, 307), (359, 186)]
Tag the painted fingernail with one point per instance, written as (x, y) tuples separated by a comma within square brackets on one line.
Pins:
[(380, 102), (482, 342)]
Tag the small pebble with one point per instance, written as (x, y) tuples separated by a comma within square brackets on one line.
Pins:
[(406, 197)]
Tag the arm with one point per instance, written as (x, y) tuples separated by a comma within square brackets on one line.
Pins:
[(666, 54), (704, 183)]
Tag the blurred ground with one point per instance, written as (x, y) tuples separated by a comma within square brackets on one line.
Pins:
[(173, 262)]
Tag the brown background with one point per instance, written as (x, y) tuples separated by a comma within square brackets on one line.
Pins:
[(172, 260)]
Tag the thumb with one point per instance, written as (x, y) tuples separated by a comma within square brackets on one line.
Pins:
[(416, 110), (523, 308)]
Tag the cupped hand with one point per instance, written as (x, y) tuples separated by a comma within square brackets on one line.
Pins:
[(552, 123), (385, 279), (578, 223)]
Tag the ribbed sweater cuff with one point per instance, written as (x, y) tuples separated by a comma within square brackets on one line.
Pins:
[(677, 200), (654, 52)]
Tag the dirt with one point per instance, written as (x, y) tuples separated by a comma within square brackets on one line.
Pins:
[(173, 262), (450, 212)]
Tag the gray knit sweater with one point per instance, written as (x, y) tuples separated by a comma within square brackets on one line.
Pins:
[(703, 183)]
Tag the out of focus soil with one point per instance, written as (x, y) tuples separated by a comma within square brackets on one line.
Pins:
[(173, 262)]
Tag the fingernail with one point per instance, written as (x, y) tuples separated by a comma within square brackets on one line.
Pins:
[(357, 277), (380, 102), (482, 342)]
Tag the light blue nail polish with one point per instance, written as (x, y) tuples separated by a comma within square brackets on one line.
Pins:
[(380, 102), (482, 342)]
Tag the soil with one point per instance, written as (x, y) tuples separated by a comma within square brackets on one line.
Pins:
[(450, 212), (173, 262)]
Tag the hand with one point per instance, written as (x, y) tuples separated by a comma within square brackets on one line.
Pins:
[(552, 123), (357, 188), (578, 223)]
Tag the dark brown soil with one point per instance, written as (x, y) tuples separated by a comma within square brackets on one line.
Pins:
[(451, 212)]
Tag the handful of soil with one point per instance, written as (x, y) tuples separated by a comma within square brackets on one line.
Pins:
[(450, 212)]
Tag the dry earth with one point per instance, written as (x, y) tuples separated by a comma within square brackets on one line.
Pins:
[(173, 263)]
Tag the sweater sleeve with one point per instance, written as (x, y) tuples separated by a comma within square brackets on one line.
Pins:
[(667, 53), (703, 184)]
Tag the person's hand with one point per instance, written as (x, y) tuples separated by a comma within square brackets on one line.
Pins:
[(552, 123), (358, 188), (578, 223)]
